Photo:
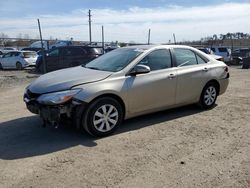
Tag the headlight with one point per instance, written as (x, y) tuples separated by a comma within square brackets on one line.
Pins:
[(57, 97)]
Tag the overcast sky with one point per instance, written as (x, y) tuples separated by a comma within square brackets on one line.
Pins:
[(125, 20)]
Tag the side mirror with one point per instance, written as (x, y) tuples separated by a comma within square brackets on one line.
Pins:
[(140, 69)]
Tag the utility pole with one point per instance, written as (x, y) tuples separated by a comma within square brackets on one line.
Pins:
[(103, 38), (43, 54), (174, 38), (90, 39), (149, 32)]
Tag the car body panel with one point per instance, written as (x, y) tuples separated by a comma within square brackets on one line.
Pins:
[(62, 80)]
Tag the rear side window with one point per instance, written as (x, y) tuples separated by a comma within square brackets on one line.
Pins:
[(185, 57), (222, 49), (157, 60), (200, 60)]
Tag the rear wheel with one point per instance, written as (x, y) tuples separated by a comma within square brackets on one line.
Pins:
[(209, 96), (19, 66), (103, 116)]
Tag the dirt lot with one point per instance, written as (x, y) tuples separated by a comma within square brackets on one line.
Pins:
[(185, 147)]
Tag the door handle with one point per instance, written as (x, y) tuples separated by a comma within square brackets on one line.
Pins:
[(171, 76), (205, 69)]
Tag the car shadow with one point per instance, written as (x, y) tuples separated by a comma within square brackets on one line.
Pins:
[(25, 137)]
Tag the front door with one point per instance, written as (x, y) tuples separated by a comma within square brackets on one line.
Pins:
[(153, 90), (52, 59)]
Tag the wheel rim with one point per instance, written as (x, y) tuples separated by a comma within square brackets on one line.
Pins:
[(105, 118), (210, 95)]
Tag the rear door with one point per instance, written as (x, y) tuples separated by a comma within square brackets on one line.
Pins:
[(193, 72)]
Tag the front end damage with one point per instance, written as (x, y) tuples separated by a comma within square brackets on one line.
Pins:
[(55, 114)]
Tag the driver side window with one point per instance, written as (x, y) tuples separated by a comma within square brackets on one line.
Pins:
[(157, 60), (54, 53)]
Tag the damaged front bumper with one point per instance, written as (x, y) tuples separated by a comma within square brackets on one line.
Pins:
[(52, 114)]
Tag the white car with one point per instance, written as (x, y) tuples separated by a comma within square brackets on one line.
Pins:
[(8, 49), (224, 52), (18, 60)]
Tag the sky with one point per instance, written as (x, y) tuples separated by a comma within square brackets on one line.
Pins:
[(125, 20)]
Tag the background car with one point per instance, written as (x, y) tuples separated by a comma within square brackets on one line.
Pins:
[(239, 54), (8, 49), (1, 53), (61, 43), (67, 56), (126, 83), (209, 52), (31, 49), (18, 60), (224, 52)]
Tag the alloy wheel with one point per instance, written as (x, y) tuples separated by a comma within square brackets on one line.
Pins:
[(210, 95), (105, 118)]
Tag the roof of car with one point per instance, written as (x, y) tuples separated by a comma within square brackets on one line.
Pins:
[(147, 47)]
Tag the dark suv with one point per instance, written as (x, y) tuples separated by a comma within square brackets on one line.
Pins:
[(67, 56)]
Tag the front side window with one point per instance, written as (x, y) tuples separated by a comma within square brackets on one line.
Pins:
[(157, 60), (54, 53), (7, 55), (185, 57)]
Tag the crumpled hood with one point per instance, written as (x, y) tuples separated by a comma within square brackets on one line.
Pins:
[(65, 79)]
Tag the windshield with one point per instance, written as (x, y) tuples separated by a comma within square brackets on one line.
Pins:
[(114, 61)]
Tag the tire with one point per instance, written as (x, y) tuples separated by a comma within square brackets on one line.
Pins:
[(19, 66), (1, 67), (102, 117), (209, 95)]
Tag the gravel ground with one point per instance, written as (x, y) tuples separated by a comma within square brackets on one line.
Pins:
[(184, 147)]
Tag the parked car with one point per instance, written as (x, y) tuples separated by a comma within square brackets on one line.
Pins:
[(1, 53), (125, 83), (67, 56), (224, 52), (31, 49), (38, 44), (239, 54), (209, 52), (18, 60), (8, 49), (62, 43)]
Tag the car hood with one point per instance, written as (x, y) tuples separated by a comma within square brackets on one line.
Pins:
[(66, 79)]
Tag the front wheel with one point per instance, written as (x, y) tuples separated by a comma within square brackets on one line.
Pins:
[(102, 117), (209, 96)]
